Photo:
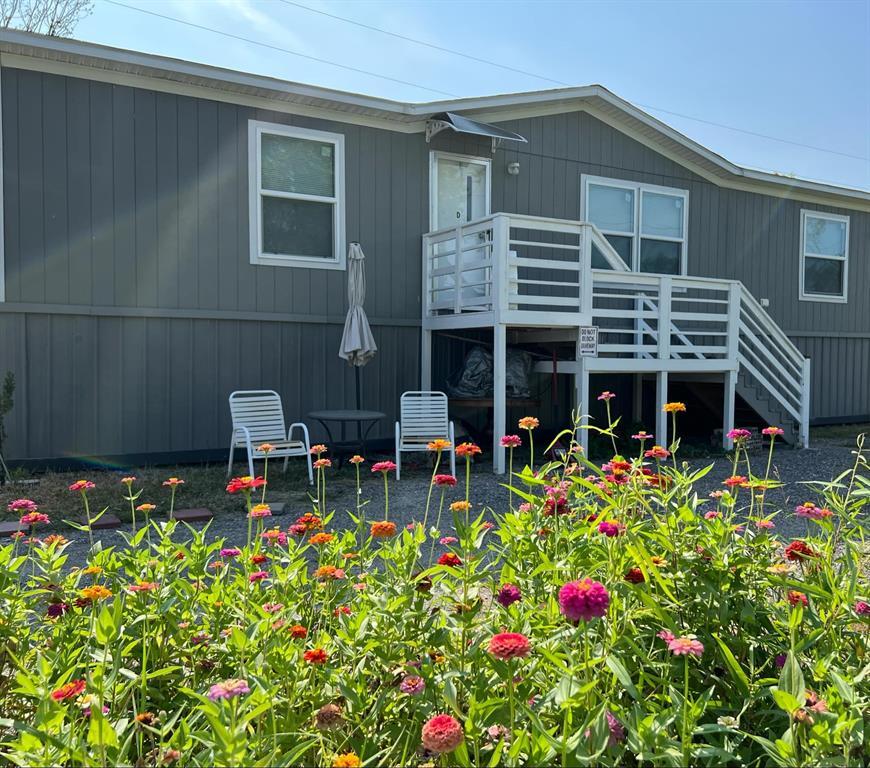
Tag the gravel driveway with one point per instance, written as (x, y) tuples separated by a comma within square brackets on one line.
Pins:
[(824, 461)]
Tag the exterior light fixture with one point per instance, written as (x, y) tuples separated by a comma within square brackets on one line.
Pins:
[(513, 169)]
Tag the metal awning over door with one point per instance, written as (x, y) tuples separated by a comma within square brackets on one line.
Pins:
[(451, 121)]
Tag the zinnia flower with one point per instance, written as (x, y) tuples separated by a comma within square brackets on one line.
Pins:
[(657, 452), (322, 463), (128, 481), (511, 441), (384, 466), (146, 507), (772, 431), (438, 445), (297, 631), (346, 760), (449, 558), (507, 595), (356, 459), (56, 610), (22, 506), (383, 529), (442, 734), (765, 525), (634, 576), (674, 407), (606, 396), (95, 593), (34, 518), (467, 449), (328, 717), (811, 511), (321, 538), (685, 646), (258, 576), (82, 486), (329, 572), (309, 521), (739, 434), (798, 550), (228, 689), (797, 598), (316, 656), (173, 481), (245, 484), (460, 506), (862, 608), (509, 645), (265, 448), (261, 510), (259, 559), (69, 690), (610, 528), (529, 423), (585, 599), (316, 450), (144, 586), (734, 481), (412, 685), (642, 435)]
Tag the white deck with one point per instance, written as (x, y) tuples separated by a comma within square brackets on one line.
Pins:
[(531, 272)]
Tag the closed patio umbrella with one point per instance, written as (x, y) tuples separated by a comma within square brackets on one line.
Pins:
[(357, 343)]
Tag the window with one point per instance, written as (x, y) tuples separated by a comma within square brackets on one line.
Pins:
[(296, 180), (645, 224), (824, 256)]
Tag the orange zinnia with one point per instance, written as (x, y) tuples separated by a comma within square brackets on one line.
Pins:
[(529, 422), (95, 592), (383, 529), (467, 449), (438, 445), (674, 407), (460, 506), (321, 538)]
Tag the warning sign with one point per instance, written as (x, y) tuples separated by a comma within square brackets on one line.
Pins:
[(587, 344)]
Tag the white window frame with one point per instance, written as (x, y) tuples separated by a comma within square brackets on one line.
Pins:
[(434, 157), (638, 188), (256, 129), (803, 295)]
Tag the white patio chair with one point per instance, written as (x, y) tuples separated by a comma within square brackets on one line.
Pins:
[(258, 417), (422, 418)]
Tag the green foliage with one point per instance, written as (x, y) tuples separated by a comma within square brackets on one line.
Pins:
[(148, 629)]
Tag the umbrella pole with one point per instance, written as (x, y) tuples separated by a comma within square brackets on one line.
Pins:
[(356, 371)]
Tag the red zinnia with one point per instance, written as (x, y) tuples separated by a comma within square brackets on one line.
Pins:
[(734, 481), (441, 734), (797, 598), (634, 575), (315, 656), (449, 558), (384, 466), (798, 550), (509, 645), (298, 631), (444, 480), (246, 484), (69, 691), (467, 449)]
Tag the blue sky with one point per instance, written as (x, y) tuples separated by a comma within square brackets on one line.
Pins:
[(794, 70)]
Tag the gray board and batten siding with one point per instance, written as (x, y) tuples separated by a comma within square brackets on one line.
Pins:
[(132, 309)]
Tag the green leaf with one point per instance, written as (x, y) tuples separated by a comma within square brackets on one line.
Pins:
[(737, 673), (792, 679), (618, 668), (99, 730), (784, 700)]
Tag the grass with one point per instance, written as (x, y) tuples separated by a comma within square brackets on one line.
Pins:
[(840, 434)]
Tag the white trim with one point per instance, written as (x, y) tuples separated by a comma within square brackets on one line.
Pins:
[(638, 188), (842, 298), (434, 157), (256, 129)]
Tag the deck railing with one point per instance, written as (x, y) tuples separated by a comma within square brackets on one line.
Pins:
[(521, 270)]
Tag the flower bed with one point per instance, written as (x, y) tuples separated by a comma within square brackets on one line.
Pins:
[(608, 616)]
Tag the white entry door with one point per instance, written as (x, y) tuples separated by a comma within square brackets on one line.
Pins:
[(459, 192)]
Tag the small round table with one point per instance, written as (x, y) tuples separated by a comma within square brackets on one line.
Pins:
[(348, 416)]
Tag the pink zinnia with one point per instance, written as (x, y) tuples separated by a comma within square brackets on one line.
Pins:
[(610, 528), (657, 452), (711, 515), (442, 734), (734, 481), (739, 434), (511, 441), (447, 540), (507, 595), (606, 396), (772, 431), (862, 608), (258, 576), (765, 525), (412, 685), (509, 645), (685, 646), (32, 518), (585, 599), (643, 436), (22, 506), (811, 511), (231, 552), (383, 466), (666, 635), (228, 689), (444, 480), (82, 485)]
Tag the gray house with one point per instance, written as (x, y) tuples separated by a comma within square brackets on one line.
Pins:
[(173, 232)]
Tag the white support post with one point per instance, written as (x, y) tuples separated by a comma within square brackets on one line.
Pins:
[(804, 434), (665, 286), (585, 274), (501, 231), (499, 395), (728, 408), (733, 322), (661, 399), (426, 360), (581, 400), (457, 271)]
